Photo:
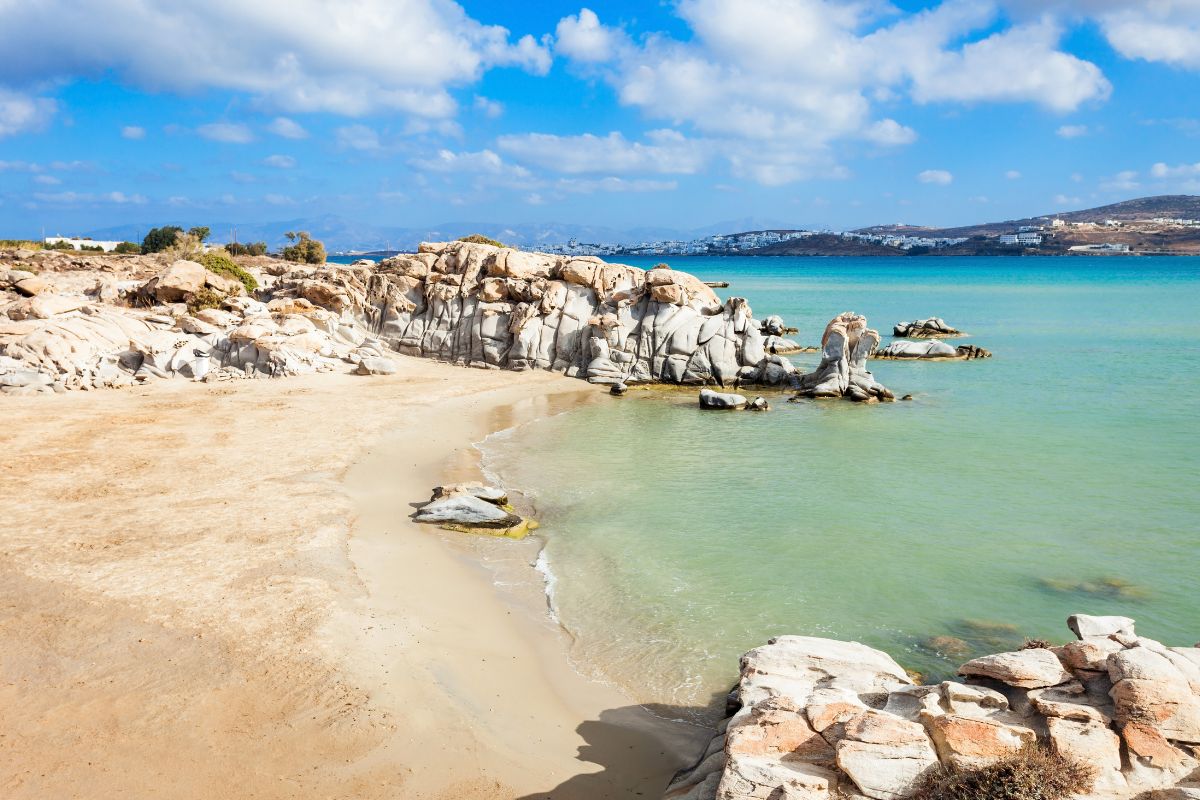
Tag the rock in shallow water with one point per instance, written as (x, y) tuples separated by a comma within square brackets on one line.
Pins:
[(721, 400), (469, 510), (925, 328)]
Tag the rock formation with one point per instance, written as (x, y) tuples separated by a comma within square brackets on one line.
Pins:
[(843, 370), (722, 401), (932, 328), (71, 322), (820, 719), (474, 508), (932, 350)]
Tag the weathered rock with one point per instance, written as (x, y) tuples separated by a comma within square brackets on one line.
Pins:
[(31, 286), (1028, 669), (759, 404), (843, 373), (376, 365), (1085, 626), (971, 351), (884, 754), (492, 494), (618, 389), (721, 401), (973, 741), (925, 328), (1092, 743), (927, 349), (1091, 653), (467, 510), (178, 281)]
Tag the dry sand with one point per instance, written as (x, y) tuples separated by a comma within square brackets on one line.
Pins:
[(212, 591)]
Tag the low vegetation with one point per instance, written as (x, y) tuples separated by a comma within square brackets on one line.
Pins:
[(19, 244), (479, 238), (61, 246), (1033, 773), (205, 298), (219, 262), (128, 248), (304, 248), (185, 247)]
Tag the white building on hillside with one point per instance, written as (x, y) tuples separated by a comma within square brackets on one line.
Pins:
[(79, 244)]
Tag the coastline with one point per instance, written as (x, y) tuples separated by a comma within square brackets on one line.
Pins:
[(213, 614)]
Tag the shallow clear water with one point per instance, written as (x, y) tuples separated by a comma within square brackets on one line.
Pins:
[(679, 539)]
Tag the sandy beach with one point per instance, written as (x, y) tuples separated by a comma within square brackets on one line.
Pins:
[(215, 590)]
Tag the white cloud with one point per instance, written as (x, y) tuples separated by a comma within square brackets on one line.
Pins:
[(46, 180), (1013, 175), (774, 85), (287, 128), (133, 132), (120, 198), (300, 55), (1124, 181), (280, 162), (19, 166), (888, 131), (1072, 131), (78, 198), (939, 177), (1162, 170), (535, 199), (612, 184), (584, 39), (227, 132), (1063, 201), (1160, 31), (664, 151), (488, 107), (279, 200), (21, 113), (483, 162), (358, 137)]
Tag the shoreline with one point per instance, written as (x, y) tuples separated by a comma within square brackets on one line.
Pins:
[(212, 616)]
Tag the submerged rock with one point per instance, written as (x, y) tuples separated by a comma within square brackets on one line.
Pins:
[(934, 327), (759, 404)]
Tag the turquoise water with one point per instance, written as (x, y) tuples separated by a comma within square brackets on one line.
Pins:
[(678, 539)]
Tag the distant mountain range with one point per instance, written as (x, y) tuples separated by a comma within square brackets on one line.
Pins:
[(340, 234)]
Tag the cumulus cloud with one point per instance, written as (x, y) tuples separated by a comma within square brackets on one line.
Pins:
[(939, 177), (1072, 131), (1163, 170), (287, 128), (226, 132), (46, 180), (1013, 175), (663, 151), (300, 55), (488, 107), (1163, 31), (1064, 201), (280, 161), (21, 113), (774, 85), (1124, 181), (133, 132)]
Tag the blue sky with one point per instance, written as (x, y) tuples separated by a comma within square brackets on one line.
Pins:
[(675, 114)]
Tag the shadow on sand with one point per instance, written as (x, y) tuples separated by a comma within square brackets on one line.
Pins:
[(637, 749)]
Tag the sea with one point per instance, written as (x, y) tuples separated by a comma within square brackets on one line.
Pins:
[(1060, 476)]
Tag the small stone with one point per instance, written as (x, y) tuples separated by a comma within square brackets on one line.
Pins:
[(618, 389)]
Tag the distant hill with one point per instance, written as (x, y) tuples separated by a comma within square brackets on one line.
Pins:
[(1183, 206)]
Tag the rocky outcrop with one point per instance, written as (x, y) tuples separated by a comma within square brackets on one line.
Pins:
[(932, 328), (930, 350), (845, 347), (722, 401), (465, 303), (821, 719)]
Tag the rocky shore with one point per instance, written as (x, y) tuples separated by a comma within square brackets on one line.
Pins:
[(90, 322), (818, 719)]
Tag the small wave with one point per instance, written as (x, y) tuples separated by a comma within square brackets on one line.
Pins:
[(549, 581)]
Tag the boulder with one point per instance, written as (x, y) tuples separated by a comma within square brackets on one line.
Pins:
[(721, 401), (1092, 743), (759, 404), (1085, 626), (492, 494), (926, 349), (884, 755), (1027, 669), (467, 510), (31, 286), (179, 280), (925, 328), (973, 741), (376, 365)]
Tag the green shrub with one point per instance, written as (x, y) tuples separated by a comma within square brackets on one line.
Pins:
[(91, 248), (61, 246), (218, 261), (479, 238), (1033, 773), (128, 248), (304, 248), (205, 298), (201, 232), (159, 239)]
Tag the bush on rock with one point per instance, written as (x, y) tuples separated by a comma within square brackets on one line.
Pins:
[(219, 262), (1033, 773)]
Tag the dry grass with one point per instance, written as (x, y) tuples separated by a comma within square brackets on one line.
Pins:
[(1034, 773)]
